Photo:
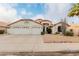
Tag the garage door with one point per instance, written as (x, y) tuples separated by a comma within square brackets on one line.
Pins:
[(36, 30), (24, 31), (19, 31)]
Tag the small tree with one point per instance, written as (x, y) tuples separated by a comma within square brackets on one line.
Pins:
[(2, 31), (74, 10)]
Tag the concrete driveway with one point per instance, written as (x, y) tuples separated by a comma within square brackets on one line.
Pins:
[(32, 43)]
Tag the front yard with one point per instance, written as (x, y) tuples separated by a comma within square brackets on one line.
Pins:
[(60, 39), (37, 44)]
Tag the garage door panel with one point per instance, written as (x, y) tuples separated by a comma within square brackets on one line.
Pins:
[(36, 30), (31, 30), (19, 31)]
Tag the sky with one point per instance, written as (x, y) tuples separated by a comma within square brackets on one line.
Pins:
[(55, 12)]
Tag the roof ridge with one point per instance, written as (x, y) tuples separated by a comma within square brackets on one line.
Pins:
[(23, 20)]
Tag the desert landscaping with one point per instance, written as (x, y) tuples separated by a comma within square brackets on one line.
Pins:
[(60, 39)]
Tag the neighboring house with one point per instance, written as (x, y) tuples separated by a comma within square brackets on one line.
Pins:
[(58, 27), (75, 28), (25, 26), (3, 26)]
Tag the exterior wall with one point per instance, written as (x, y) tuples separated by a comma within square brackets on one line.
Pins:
[(55, 28), (25, 27), (2, 28), (75, 30)]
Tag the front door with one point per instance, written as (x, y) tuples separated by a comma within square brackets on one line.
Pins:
[(59, 29)]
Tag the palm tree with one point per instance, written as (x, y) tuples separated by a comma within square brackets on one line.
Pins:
[(74, 10)]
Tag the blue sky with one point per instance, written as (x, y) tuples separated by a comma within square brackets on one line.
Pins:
[(52, 11), (33, 9)]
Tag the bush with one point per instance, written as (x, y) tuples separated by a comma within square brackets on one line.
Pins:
[(57, 33), (49, 30), (69, 33), (1, 31), (42, 33)]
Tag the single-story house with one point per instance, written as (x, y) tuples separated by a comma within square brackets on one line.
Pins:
[(75, 28), (24, 26), (58, 27)]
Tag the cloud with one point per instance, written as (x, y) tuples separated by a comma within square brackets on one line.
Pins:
[(8, 13), (39, 16), (54, 11), (25, 13), (57, 10)]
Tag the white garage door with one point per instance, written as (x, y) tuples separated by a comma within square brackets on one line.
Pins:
[(36, 31), (24, 31), (19, 31)]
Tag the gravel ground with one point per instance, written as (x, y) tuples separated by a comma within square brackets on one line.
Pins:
[(60, 39)]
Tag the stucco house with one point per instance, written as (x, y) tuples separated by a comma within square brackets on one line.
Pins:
[(25, 26), (75, 28), (58, 27)]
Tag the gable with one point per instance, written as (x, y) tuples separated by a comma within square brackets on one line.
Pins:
[(60, 23), (25, 23)]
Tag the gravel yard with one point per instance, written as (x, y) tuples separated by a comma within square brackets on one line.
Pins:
[(60, 39)]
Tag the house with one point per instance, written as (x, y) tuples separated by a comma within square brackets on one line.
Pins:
[(3, 27), (75, 28), (25, 26), (58, 27)]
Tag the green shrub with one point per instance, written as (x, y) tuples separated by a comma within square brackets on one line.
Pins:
[(42, 33), (1, 31), (49, 30), (57, 33), (69, 33)]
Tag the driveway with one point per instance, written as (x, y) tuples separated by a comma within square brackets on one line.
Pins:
[(32, 43)]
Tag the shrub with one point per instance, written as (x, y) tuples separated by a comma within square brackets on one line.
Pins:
[(49, 30), (57, 33), (42, 33), (69, 33), (1, 31)]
